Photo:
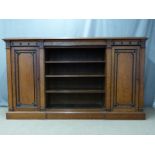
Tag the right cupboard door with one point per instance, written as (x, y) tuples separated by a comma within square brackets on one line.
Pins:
[(125, 78)]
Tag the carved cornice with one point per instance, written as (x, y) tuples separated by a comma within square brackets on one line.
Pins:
[(126, 43), (24, 43), (109, 43), (39, 44)]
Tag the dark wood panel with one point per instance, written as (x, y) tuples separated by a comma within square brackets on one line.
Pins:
[(25, 77), (125, 75), (124, 91)]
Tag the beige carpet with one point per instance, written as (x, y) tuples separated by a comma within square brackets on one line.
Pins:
[(108, 127)]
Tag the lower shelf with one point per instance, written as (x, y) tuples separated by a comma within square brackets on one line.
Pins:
[(89, 114), (75, 100)]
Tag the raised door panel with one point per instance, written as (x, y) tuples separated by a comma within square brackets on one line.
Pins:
[(25, 69), (125, 78)]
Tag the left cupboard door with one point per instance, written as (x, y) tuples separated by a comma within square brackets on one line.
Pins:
[(25, 76)]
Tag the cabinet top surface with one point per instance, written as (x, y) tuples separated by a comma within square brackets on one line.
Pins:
[(84, 38)]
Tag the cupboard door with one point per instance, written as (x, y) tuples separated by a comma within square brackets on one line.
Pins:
[(125, 78), (25, 78)]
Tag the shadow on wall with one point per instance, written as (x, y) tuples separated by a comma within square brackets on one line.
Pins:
[(149, 91), (3, 88)]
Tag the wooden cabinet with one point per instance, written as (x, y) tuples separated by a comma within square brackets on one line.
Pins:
[(87, 78)]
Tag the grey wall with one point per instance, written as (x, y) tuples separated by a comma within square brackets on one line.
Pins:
[(81, 28)]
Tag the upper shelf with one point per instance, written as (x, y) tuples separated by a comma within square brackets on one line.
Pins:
[(77, 38)]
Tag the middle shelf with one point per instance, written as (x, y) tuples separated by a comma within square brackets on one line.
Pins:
[(76, 83), (74, 69), (75, 91)]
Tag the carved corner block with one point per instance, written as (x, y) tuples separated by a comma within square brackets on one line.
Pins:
[(8, 44), (142, 43), (41, 44), (109, 43)]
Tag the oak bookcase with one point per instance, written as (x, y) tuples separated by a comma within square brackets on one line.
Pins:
[(80, 78)]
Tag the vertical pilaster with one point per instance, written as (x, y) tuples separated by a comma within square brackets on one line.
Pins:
[(9, 76), (141, 81), (108, 76), (42, 75)]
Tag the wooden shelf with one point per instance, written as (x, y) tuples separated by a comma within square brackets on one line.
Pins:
[(75, 91), (97, 61), (93, 75)]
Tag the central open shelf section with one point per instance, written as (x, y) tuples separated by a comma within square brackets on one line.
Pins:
[(75, 77)]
